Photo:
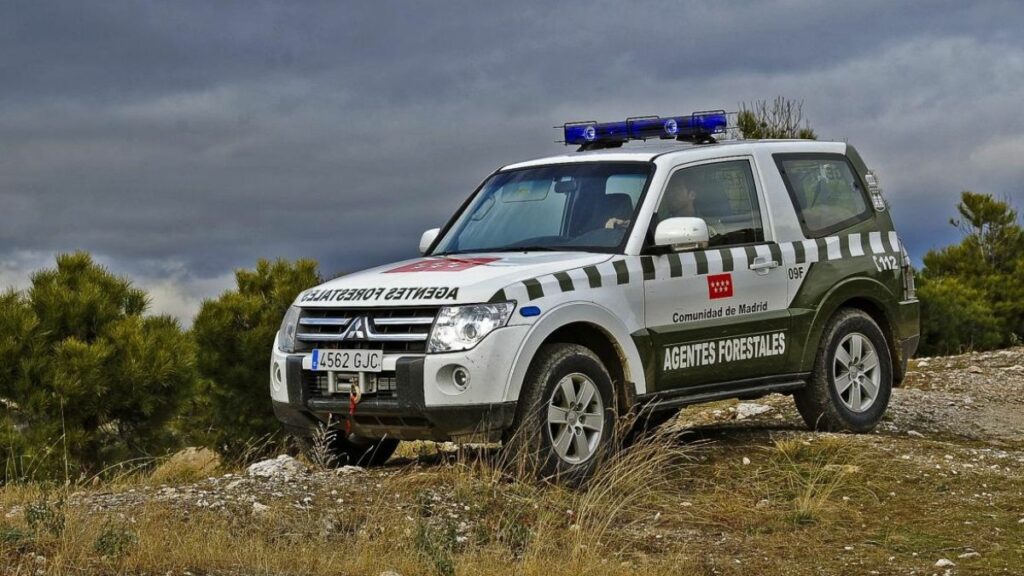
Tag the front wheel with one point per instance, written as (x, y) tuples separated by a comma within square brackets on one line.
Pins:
[(852, 379), (566, 413)]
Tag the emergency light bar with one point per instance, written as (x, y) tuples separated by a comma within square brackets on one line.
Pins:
[(699, 126)]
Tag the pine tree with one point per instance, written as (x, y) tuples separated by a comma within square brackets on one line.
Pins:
[(781, 118), (86, 380), (234, 334), (972, 293)]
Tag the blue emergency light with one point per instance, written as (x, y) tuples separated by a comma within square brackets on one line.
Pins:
[(699, 126)]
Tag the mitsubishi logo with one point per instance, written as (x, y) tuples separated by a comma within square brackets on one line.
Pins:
[(358, 329)]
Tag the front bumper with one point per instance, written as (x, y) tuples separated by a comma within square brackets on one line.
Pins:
[(403, 415), (419, 403)]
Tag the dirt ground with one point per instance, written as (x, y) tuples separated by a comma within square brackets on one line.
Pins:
[(938, 488)]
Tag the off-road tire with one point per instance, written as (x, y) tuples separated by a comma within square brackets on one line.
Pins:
[(530, 446), (819, 403)]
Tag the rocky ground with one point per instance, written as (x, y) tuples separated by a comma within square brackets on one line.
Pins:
[(947, 464)]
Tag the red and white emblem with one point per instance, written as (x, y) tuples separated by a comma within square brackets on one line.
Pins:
[(442, 265), (719, 286)]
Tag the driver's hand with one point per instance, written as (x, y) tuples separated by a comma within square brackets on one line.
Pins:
[(614, 223)]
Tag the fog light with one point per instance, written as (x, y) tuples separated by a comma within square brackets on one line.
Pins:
[(460, 377), (276, 377)]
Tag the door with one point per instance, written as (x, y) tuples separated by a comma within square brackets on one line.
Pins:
[(717, 315)]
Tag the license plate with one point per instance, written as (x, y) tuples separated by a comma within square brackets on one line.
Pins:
[(345, 360)]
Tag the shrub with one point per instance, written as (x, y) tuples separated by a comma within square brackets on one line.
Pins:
[(955, 318), (115, 541), (85, 378), (972, 293), (233, 334)]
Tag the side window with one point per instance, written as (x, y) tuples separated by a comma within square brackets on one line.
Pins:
[(723, 194), (826, 192)]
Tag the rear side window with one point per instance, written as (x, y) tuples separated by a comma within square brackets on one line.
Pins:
[(827, 193)]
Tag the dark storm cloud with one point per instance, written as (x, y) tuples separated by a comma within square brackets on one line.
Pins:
[(180, 140)]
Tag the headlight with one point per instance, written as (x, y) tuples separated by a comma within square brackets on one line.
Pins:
[(286, 335), (462, 327)]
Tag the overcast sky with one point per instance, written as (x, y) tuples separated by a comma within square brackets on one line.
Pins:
[(180, 140)]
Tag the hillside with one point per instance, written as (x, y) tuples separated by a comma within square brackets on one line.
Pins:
[(729, 488)]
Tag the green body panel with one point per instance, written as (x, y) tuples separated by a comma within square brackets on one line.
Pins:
[(852, 280), (656, 340)]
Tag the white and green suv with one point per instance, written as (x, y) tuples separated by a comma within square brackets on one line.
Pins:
[(567, 291)]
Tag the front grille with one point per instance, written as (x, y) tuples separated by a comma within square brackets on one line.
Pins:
[(393, 330), (382, 384)]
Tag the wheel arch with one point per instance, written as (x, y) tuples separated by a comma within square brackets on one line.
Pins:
[(588, 325), (871, 297)]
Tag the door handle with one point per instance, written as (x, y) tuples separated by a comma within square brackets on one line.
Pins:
[(762, 265)]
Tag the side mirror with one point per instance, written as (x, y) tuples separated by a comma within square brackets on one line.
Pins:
[(682, 234), (427, 239)]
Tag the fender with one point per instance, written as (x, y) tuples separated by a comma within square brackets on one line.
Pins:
[(860, 288), (569, 313)]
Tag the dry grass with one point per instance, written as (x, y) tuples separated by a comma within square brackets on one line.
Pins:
[(464, 512), (742, 505), (812, 474)]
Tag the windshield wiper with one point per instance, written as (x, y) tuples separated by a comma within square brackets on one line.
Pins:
[(526, 249), (506, 249)]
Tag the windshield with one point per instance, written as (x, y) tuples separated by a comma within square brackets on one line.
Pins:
[(587, 206)]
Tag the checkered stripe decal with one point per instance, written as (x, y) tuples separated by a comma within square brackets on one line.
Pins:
[(624, 270)]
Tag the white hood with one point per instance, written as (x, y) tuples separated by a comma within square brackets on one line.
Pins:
[(462, 279)]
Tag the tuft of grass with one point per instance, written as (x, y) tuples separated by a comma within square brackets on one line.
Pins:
[(115, 541), (437, 545), (811, 474), (629, 487), (320, 454), (46, 516), (12, 535)]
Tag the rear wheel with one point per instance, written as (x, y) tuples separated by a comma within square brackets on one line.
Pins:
[(852, 379), (566, 414)]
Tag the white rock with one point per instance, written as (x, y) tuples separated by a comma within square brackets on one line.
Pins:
[(283, 466), (944, 563), (346, 470), (258, 508), (975, 370), (915, 434), (746, 460), (748, 409), (969, 555), (922, 364)]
